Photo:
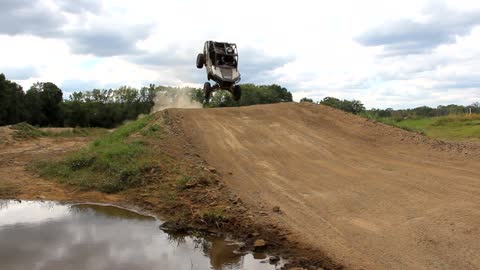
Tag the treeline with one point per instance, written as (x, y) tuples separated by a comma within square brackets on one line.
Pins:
[(44, 104), (107, 107), (40, 105), (351, 106), (251, 95), (356, 107), (423, 111)]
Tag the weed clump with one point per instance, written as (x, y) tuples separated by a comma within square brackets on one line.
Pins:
[(182, 182), (215, 216), (151, 131)]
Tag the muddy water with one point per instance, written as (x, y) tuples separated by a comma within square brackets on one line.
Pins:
[(48, 235)]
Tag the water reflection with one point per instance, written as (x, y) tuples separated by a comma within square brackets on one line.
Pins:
[(108, 211), (52, 236)]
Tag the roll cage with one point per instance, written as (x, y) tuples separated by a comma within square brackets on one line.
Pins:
[(222, 53)]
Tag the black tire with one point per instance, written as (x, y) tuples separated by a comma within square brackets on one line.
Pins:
[(237, 92), (207, 90), (200, 60)]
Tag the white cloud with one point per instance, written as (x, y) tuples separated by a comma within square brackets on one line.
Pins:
[(310, 47)]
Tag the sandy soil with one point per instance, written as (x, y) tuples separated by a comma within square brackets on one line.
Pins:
[(368, 195)]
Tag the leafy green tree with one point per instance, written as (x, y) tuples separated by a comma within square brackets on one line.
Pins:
[(12, 102), (43, 103), (52, 97), (33, 101), (305, 99), (251, 95), (351, 106)]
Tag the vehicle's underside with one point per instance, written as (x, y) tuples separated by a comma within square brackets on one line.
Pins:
[(221, 62)]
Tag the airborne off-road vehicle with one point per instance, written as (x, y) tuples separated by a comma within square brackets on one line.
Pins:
[(221, 62)]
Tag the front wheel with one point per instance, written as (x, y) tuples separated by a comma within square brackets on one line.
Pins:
[(207, 90), (237, 92), (200, 60)]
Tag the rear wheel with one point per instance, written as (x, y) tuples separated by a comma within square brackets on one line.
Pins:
[(207, 90), (237, 92), (200, 60)]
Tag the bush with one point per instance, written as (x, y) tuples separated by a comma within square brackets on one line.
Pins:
[(351, 106), (306, 100)]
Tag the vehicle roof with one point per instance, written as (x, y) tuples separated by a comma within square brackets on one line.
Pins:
[(223, 44)]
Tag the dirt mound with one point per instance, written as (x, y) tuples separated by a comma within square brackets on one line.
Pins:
[(368, 195), (6, 135)]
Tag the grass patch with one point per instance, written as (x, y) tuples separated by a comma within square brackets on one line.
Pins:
[(215, 216), (457, 120), (182, 182), (451, 127), (151, 131), (110, 164), (23, 131), (8, 191)]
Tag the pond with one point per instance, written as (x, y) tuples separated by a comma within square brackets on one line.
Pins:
[(50, 235)]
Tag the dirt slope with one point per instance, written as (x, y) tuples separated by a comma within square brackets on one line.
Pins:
[(368, 195)]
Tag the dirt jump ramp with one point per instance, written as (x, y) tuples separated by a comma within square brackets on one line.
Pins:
[(369, 195)]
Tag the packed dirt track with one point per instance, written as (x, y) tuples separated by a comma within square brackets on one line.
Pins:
[(367, 195)]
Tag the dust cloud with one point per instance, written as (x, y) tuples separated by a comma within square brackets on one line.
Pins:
[(174, 98)]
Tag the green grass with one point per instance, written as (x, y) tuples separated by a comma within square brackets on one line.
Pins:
[(152, 131), (110, 164), (452, 127)]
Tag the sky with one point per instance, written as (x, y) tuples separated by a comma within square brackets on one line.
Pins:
[(398, 54)]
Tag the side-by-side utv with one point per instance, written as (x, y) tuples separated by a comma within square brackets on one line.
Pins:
[(221, 62)]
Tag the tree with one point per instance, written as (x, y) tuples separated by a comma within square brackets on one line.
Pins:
[(474, 107), (43, 103), (33, 101), (12, 102), (251, 95), (353, 106), (52, 97), (305, 99), (357, 106)]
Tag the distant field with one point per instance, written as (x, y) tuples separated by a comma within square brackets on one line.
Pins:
[(452, 127)]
